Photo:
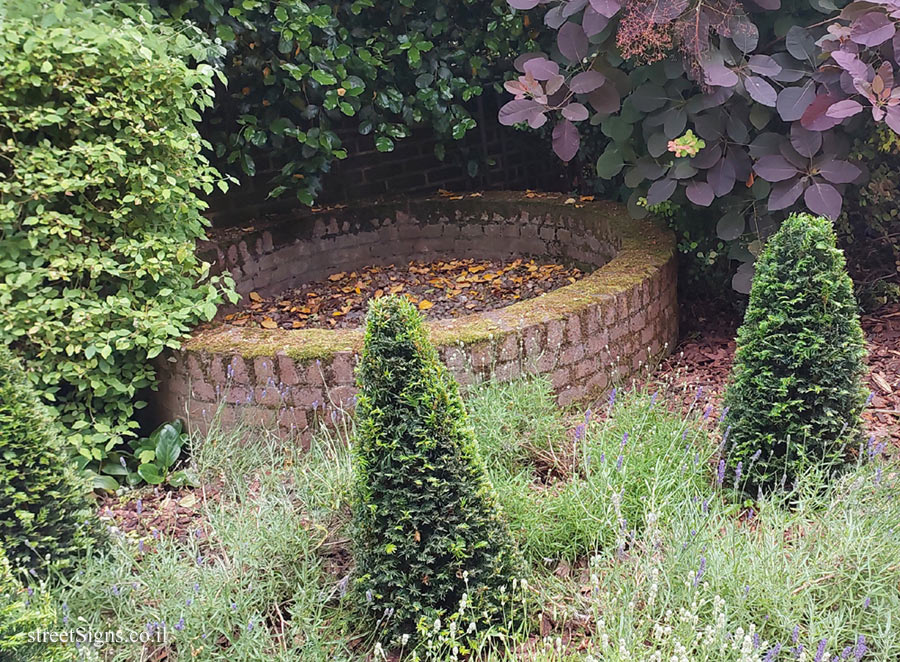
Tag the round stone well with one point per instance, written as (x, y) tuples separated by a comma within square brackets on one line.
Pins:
[(584, 336)]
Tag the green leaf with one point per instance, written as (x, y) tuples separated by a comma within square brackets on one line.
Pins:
[(150, 473), (168, 446), (384, 144), (107, 483)]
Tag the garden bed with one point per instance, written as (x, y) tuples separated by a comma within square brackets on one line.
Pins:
[(607, 325)]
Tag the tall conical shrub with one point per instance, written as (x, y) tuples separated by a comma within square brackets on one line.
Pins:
[(428, 527), (46, 517), (796, 395)]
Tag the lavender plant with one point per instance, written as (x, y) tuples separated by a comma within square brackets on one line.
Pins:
[(774, 91)]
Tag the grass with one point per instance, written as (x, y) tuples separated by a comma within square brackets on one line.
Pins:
[(634, 551)]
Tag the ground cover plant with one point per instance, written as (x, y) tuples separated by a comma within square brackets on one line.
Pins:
[(692, 571)]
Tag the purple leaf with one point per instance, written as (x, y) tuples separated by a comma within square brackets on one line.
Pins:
[(586, 81), (800, 43), (744, 33), (872, 29), (660, 191), (774, 168), (793, 101), (554, 18), (649, 97), (575, 112), (566, 140), (593, 22), (839, 172), (850, 63), (707, 157), (806, 142), (763, 65), (572, 42), (814, 117), (718, 75), (721, 177), (844, 109), (520, 61), (760, 91), (784, 194), (823, 199), (791, 70), (700, 193), (572, 7), (607, 8), (523, 5), (892, 118), (520, 110), (541, 68), (664, 11), (605, 100)]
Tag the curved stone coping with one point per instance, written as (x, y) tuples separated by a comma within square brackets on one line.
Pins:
[(583, 335)]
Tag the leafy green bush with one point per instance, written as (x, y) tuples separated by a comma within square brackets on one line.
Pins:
[(795, 398), (428, 527), (99, 212), (45, 515), (298, 71)]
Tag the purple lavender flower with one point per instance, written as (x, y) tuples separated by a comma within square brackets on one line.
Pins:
[(700, 572), (820, 651), (755, 456), (234, 606), (755, 640), (180, 624), (707, 411), (612, 397), (249, 626), (795, 634), (587, 416), (653, 398), (720, 473), (619, 462), (737, 474), (867, 602), (861, 647), (579, 431), (846, 652), (869, 398), (624, 440), (798, 651), (773, 653)]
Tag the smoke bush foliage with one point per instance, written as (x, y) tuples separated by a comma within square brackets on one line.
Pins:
[(795, 399), (428, 527), (771, 90)]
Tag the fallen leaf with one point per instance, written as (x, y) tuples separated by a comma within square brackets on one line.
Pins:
[(336, 277), (255, 297), (425, 304), (269, 323)]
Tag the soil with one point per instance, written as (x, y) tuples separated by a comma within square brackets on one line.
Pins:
[(704, 355), (440, 289)]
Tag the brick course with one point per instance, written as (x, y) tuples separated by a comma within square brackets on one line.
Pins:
[(584, 336)]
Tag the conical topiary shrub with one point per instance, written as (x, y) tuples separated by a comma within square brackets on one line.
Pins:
[(796, 395), (428, 527), (46, 517)]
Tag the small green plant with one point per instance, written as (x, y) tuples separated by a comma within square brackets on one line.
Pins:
[(795, 397), (45, 513), (153, 459), (428, 527)]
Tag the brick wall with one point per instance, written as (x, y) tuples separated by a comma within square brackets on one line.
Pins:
[(584, 336)]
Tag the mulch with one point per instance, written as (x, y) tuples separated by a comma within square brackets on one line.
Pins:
[(440, 289), (704, 355)]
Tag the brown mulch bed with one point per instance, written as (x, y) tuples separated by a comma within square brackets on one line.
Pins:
[(151, 513), (703, 359), (440, 289)]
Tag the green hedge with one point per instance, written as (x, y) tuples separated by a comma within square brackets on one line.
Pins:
[(46, 518), (99, 208), (428, 527), (796, 395)]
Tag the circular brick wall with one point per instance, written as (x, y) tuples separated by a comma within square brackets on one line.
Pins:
[(584, 336)]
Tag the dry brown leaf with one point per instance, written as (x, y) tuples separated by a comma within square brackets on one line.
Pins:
[(269, 323), (254, 296)]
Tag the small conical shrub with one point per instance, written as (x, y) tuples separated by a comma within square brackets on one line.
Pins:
[(795, 398), (46, 516), (428, 527)]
